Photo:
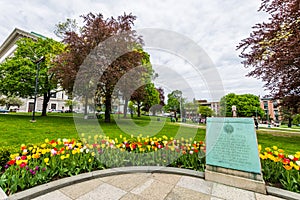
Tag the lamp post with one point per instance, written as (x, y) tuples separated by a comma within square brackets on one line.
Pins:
[(36, 85)]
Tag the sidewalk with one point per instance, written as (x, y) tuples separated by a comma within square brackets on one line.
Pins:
[(142, 185)]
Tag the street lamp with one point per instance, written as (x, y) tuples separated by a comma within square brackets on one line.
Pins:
[(36, 85)]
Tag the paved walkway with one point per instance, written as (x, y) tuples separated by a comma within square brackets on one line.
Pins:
[(151, 186)]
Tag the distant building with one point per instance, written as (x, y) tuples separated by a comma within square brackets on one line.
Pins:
[(215, 105), (7, 49), (271, 108)]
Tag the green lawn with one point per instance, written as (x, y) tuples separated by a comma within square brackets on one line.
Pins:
[(16, 129)]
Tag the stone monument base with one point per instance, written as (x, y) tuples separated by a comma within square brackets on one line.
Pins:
[(244, 180)]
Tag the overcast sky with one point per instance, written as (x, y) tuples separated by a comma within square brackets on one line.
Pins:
[(216, 26)]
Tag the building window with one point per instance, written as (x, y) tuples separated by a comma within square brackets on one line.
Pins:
[(265, 105), (275, 104), (53, 95), (53, 106)]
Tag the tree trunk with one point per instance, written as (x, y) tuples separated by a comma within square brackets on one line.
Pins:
[(45, 102), (86, 105), (125, 106), (290, 122), (107, 107), (139, 109)]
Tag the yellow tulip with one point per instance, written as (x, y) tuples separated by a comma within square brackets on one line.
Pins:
[(43, 145), (47, 140), (268, 149), (262, 156), (46, 160), (280, 150), (59, 142), (18, 162), (287, 167), (275, 148), (277, 159)]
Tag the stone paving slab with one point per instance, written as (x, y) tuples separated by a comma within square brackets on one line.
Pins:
[(131, 196), (152, 183), (79, 189), (266, 197), (153, 189), (105, 192), (179, 193), (196, 184), (231, 193), (53, 195), (128, 182)]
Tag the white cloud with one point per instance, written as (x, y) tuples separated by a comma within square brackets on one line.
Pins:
[(217, 26)]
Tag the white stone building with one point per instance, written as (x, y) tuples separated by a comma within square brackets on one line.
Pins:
[(7, 48)]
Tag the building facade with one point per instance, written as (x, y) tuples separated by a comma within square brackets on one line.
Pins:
[(215, 105), (7, 49), (272, 109)]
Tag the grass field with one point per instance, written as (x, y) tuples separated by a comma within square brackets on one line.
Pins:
[(16, 129)]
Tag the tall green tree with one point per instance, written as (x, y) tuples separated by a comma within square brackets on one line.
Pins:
[(205, 111), (151, 98), (141, 75), (158, 107), (175, 101), (247, 105), (11, 101), (18, 73), (145, 97)]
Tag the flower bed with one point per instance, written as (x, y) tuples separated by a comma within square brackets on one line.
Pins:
[(280, 169), (54, 159), (38, 164)]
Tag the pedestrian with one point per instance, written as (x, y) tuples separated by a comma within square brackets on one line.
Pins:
[(256, 123)]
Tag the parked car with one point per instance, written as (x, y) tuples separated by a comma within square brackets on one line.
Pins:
[(4, 111), (56, 111)]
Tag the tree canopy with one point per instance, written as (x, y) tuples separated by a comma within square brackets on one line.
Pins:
[(80, 44), (272, 50), (247, 105), (11, 101), (18, 73), (205, 111), (175, 101)]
